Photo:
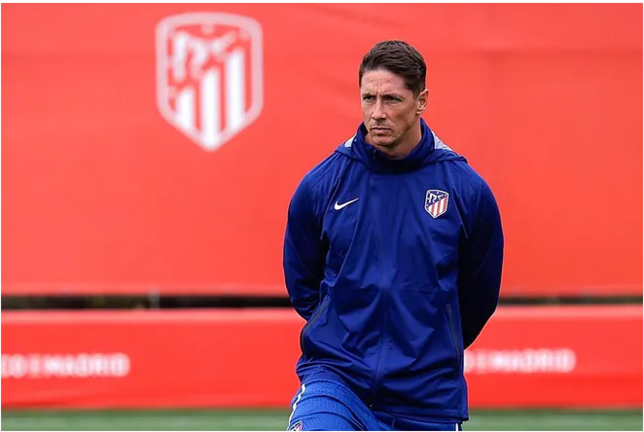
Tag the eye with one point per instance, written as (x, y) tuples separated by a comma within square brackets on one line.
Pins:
[(367, 97)]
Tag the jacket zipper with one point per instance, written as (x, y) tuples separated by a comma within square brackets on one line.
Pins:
[(314, 318), (452, 329), (378, 374), (378, 371)]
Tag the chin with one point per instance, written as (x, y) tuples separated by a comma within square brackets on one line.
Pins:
[(383, 141)]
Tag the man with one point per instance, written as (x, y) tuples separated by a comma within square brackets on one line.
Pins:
[(393, 254)]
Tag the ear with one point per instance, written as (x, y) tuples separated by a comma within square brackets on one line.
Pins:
[(422, 101)]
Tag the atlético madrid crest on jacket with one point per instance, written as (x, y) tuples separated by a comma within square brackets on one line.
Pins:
[(209, 75), (436, 202)]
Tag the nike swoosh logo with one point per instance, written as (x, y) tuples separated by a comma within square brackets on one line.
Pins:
[(343, 205)]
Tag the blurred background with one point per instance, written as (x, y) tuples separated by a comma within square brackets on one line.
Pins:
[(149, 153)]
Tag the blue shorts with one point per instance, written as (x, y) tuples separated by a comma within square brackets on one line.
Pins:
[(330, 406)]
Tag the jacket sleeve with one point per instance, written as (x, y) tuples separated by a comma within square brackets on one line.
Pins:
[(481, 263), (304, 253)]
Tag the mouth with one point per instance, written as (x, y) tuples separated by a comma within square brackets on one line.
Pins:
[(379, 129)]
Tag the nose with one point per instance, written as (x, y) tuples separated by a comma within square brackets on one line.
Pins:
[(378, 112)]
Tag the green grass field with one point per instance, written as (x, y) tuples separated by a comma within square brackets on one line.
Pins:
[(275, 420)]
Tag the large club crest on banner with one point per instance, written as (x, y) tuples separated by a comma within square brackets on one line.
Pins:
[(209, 75)]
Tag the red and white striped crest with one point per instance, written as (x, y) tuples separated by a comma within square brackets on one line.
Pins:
[(209, 75), (436, 202)]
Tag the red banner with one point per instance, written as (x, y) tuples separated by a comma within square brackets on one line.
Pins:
[(584, 357), (154, 148)]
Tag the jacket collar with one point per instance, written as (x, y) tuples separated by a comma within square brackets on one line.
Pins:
[(377, 161)]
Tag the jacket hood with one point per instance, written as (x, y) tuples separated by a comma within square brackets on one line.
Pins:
[(430, 150)]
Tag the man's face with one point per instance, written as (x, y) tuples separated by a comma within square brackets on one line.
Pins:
[(389, 108)]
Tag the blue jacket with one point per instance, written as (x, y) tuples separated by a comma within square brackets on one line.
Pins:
[(396, 266)]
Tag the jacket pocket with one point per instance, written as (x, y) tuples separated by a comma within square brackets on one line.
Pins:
[(316, 315), (455, 340)]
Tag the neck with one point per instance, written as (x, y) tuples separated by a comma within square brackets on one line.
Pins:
[(401, 148)]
